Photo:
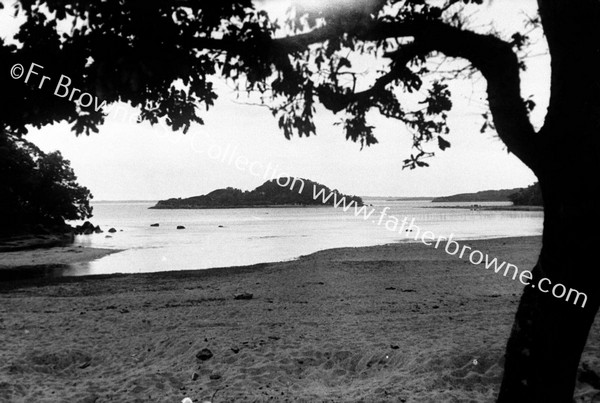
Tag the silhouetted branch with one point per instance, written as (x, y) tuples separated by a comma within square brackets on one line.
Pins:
[(491, 55)]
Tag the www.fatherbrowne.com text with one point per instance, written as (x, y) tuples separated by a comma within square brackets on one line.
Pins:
[(411, 230)]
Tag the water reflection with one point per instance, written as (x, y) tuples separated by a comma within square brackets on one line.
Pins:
[(44, 272)]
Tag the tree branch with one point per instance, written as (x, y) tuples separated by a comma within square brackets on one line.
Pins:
[(489, 54), (400, 59), (500, 66)]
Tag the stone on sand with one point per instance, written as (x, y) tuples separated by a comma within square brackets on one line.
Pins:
[(204, 354)]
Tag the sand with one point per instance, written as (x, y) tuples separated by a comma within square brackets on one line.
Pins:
[(397, 323)]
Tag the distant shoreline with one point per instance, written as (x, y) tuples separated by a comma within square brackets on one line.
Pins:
[(493, 208)]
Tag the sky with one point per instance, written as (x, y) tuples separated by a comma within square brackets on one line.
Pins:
[(241, 145)]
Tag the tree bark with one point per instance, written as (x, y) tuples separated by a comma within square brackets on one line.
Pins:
[(549, 334)]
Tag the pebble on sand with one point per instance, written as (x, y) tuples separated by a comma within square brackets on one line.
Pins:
[(204, 354)]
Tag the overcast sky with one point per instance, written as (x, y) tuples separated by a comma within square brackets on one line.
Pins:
[(129, 161)]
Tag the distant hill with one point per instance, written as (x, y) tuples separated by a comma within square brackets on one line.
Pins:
[(298, 192), (502, 195)]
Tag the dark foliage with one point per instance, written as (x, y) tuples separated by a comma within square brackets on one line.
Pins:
[(530, 196), (115, 52), (38, 191)]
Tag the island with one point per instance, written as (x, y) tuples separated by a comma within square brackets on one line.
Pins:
[(281, 192)]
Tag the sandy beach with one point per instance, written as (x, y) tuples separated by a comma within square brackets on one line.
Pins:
[(397, 323)]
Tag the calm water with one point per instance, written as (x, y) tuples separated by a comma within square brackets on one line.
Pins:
[(251, 236)]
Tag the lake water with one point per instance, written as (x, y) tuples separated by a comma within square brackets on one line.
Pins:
[(257, 235)]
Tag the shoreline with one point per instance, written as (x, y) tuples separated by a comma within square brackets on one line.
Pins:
[(56, 257), (385, 323)]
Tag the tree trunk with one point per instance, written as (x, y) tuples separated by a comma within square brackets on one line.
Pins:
[(549, 333)]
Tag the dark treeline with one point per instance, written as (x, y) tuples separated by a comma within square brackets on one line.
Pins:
[(530, 196), (38, 191)]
